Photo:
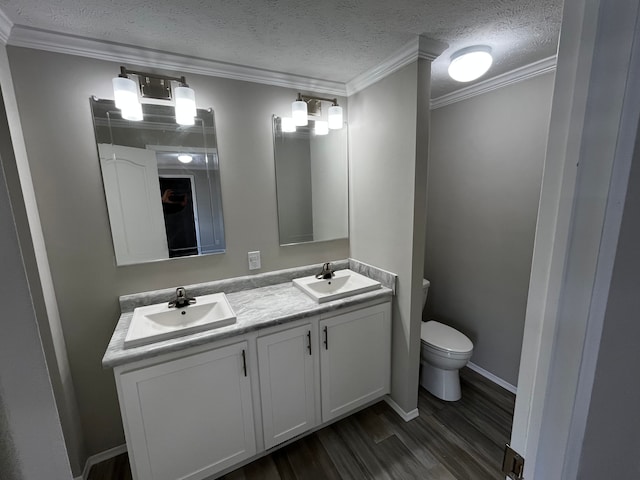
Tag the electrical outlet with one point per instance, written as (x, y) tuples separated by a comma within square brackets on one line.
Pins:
[(254, 260)]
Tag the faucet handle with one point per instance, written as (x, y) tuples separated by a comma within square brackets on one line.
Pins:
[(182, 299), (326, 272)]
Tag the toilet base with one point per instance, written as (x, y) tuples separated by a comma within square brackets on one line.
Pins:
[(444, 384)]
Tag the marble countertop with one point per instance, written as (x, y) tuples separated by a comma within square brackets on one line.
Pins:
[(255, 309)]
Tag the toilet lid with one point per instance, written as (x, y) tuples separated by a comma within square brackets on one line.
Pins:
[(444, 337)]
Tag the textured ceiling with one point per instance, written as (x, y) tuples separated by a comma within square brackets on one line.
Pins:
[(331, 39)]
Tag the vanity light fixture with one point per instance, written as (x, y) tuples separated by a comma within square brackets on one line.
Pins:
[(470, 63), (150, 85), (321, 127), (133, 113), (125, 92), (287, 124), (185, 104), (305, 105), (299, 112), (335, 117), (184, 158)]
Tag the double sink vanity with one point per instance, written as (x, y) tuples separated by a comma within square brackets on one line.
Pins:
[(253, 363)]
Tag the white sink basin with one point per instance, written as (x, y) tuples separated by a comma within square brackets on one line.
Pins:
[(344, 284), (159, 322)]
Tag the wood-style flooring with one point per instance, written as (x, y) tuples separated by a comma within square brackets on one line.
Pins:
[(461, 440)]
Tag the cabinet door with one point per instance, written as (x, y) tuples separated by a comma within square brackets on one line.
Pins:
[(287, 383), (191, 417), (134, 202), (355, 359)]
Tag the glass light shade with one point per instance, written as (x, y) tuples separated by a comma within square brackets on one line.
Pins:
[(185, 158), (321, 128), (132, 113), (287, 125), (185, 105), (125, 93), (470, 63), (335, 117), (185, 120), (299, 113)]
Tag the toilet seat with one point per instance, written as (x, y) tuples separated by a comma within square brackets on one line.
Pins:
[(445, 339)]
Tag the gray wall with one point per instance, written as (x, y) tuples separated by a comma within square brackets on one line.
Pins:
[(484, 180), (612, 436), (34, 256), (388, 161), (62, 156), (31, 441)]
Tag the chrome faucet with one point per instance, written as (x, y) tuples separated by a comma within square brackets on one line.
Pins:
[(326, 272), (182, 299)]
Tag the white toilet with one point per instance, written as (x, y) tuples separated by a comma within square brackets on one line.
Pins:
[(443, 352)]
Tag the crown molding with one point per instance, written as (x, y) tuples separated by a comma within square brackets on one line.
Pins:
[(429, 48), (27, 37), (540, 67), (5, 28), (419, 47)]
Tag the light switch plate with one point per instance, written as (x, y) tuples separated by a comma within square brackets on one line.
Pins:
[(254, 260)]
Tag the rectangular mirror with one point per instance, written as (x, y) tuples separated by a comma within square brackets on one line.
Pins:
[(311, 184), (161, 183)]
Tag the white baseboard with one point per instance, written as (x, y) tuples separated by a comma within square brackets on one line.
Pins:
[(100, 457), (406, 416), (495, 379)]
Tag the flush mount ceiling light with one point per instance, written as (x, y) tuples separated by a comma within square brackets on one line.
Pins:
[(184, 158), (470, 63), (127, 96), (306, 105)]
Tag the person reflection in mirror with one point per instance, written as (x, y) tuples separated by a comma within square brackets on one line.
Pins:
[(169, 197), (172, 202)]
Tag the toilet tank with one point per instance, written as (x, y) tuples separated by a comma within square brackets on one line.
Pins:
[(425, 290)]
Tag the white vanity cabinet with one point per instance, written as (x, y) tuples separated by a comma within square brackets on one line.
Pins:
[(288, 382), (188, 418), (355, 359), (197, 413)]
